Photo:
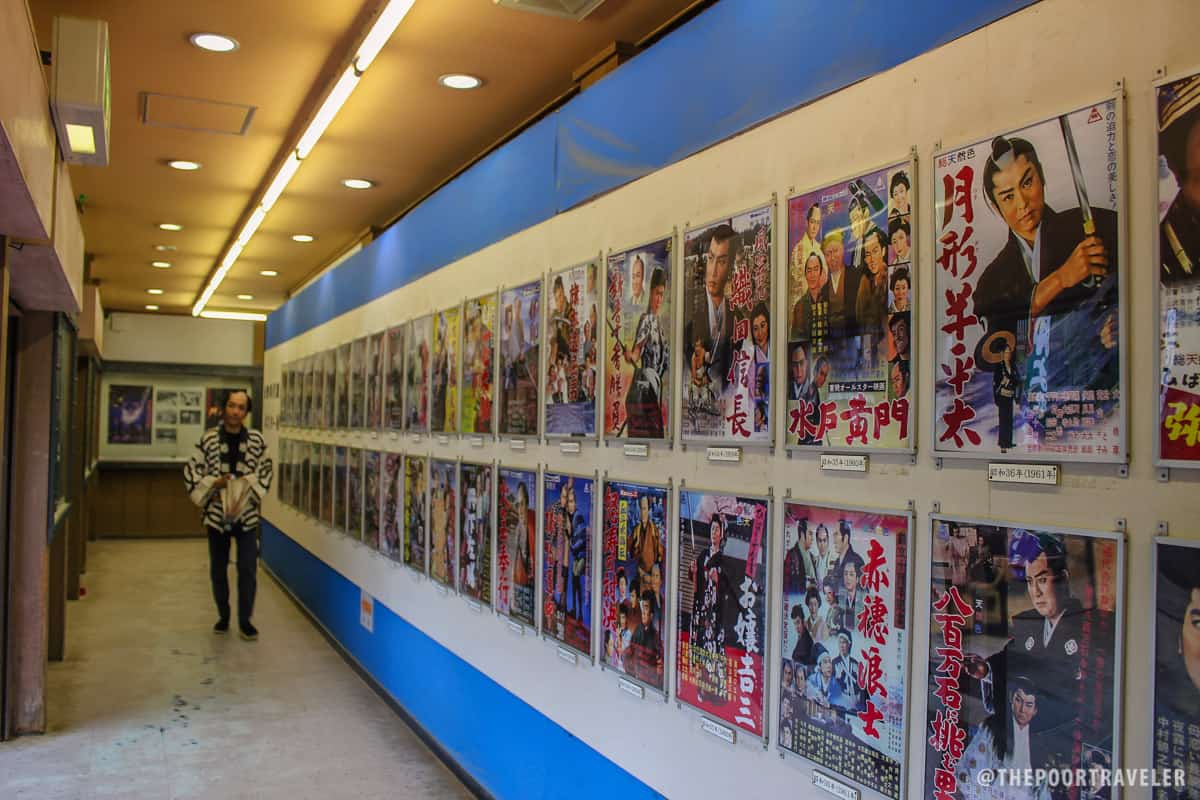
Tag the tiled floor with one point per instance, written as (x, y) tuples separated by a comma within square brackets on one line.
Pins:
[(150, 704)]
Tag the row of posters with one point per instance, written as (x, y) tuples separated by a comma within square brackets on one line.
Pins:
[(1025, 624)]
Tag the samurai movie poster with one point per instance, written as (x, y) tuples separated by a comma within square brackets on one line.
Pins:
[(443, 517), (375, 381), (393, 388), (1027, 304), (845, 642), (312, 505), (1177, 666), (724, 544), (479, 345), (328, 366), (325, 509), (319, 387), (337, 517), (372, 477), (727, 329), (1179, 277), (416, 381), (130, 411), (354, 492), (416, 512), (567, 560), (633, 591), (475, 537), (1023, 657), (358, 382), (520, 329), (393, 509), (443, 398), (571, 330), (307, 421), (302, 457), (850, 303), (637, 355), (516, 544), (342, 387), (285, 471)]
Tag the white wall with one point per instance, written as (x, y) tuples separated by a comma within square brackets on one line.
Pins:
[(172, 339), (1057, 55)]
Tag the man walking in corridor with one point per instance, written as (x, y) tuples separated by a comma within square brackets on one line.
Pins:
[(227, 476)]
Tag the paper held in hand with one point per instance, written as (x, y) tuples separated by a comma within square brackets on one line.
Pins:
[(233, 500)]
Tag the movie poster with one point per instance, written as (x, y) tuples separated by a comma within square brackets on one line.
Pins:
[(393, 404), (720, 666), (337, 515), (638, 331), (567, 544), (214, 405), (375, 381), (479, 344), (844, 618), (1027, 300), (292, 401), (300, 469), (1179, 274), (571, 329), (320, 384), (312, 505), (416, 512), (393, 506), (285, 471), (416, 381), (358, 382), (850, 298), (516, 544), (341, 405), (309, 364), (328, 388), (727, 329), (372, 486), (633, 593), (443, 388), (474, 565), (325, 508), (1023, 655), (354, 492), (520, 331), (130, 414), (1177, 665), (443, 519)]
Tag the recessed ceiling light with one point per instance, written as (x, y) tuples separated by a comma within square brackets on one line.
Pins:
[(184, 166), (152, 307), (169, 226), (165, 248), (358, 183), (268, 273), (303, 237), (213, 42), (245, 297), (154, 291), (161, 264), (460, 81)]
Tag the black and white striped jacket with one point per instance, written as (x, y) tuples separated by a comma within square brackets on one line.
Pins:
[(208, 463)]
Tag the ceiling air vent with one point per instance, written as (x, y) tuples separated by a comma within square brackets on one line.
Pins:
[(570, 9)]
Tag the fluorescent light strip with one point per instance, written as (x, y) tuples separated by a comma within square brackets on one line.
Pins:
[(242, 315), (381, 31)]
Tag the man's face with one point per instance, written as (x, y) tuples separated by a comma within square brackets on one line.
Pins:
[(900, 336), (858, 221), (839, 542), (1020, 196), (788, 675), (1189, 637), (875, 257), (570, 499), (639, 272), (814, 223), (900, 244), (560, 297), (826, 667), (1024, 708), (1039, 580), (656, 578), (822, 375), (799, 364), (850, 576), (762, 331), (656, 298), (644, 506), (715, 533), (645, 606), (806, 539), (812, 273), (822, 543), (716, 268), (798, 624), (835, 253), (235, 409), (843, 645), (801, 681), (1190, 186), (623, 585), (898, 386)]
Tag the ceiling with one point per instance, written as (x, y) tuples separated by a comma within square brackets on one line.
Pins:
[(400, 128)]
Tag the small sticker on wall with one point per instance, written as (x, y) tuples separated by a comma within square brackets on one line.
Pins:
[(366, 612)]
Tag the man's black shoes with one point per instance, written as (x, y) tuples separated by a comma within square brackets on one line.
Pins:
[(222, 626), (248, 631)]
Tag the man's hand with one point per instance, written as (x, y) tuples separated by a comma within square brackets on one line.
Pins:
[(1108, 333), (222, 482), (1087, 259)]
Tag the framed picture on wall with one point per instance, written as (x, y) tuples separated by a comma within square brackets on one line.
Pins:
[(416, 382), (639, 333), (373, 483), (1028, 254), (443, 520), (520, 334), (845, 607), (130, 414), (358, 383), (321, 383), (849, 312), (416, 513), (342, 386), (516, 544), (338, 515), (393, 388), (633, 583), (1176, 742), (395, 481), (443, 381), (479, 364), (375, 366), (476, 526), (328, 485), (1025, 652), (329, 387), (723, 546), (1177, 99), (727, 329), (568, 544), (571, 373), (354, 492)]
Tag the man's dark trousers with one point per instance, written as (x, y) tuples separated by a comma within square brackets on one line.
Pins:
[(247, 566)]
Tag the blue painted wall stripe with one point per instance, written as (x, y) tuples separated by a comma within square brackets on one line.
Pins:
[(511, 748), (735, 65)]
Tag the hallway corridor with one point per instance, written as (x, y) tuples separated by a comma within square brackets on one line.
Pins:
[(149, 703)]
